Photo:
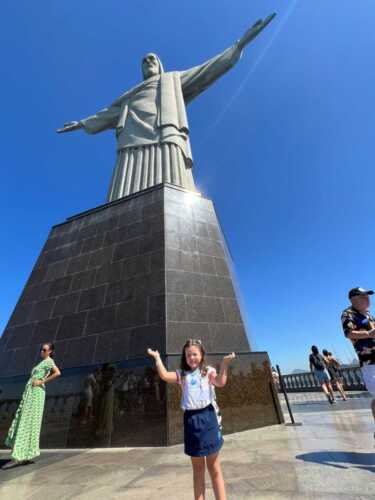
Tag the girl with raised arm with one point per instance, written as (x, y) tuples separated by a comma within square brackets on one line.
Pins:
[(202, 433)]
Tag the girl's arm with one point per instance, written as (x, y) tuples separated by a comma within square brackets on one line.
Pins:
[(169, 377), (55, 372), (221, 379)]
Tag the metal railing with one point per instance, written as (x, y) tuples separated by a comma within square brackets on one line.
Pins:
[(306, 382)]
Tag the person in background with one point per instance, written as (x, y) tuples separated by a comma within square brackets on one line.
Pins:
[(275, 377), (333, 367), (359, 327), (24, 433), (318, 369), (90, 388)]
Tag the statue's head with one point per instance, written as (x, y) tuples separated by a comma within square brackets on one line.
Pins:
[(151, 66)]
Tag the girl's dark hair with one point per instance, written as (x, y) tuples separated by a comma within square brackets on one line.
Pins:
[(314, 349), (184, 365), (325, 352), (51, 348)]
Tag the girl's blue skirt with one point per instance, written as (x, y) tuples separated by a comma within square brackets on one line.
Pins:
[(202, 434)]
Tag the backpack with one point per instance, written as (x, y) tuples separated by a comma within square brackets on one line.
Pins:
[(317, 361)]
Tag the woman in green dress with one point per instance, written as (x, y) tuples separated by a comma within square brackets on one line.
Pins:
[(23, 435)]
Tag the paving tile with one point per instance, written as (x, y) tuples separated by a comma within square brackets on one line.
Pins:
[(330, 457)]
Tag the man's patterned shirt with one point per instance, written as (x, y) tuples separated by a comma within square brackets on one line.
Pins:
[(354, 320)]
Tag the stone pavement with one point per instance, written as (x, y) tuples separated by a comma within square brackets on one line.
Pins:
[(331, 456)]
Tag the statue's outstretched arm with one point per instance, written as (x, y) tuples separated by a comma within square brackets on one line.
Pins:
[(195, 80), (105, 119), (69, 127), (254, 31)]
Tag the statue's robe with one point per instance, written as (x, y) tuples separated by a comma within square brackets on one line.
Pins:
[(152, 129)]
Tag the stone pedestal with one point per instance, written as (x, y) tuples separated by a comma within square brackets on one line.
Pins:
[(151, 269)]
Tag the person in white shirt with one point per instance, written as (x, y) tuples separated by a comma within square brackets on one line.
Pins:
[(202, 433)]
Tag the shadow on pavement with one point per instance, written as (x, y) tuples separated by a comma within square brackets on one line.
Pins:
[(341, 459), (45, 460)]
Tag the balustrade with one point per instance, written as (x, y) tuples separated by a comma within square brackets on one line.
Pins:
[(305, 381)]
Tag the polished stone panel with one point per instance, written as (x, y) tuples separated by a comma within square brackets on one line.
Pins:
[(124, 403), (158, 259), (200, 292), (249, 399), (113, 404), (149, 270), (101, 272)]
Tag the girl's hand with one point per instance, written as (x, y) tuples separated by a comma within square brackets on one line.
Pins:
[(153, 354), (229, 358), (37, 383)]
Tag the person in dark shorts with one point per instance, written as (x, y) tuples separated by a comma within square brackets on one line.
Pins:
[(318, 369), (202, 421), (359, 327), (333, 367)]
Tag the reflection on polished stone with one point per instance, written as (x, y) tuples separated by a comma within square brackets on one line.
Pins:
[(126, 403), (113, 404), (249, 399)]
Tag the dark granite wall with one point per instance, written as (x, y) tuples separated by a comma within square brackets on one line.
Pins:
[(152, 270), (201, 301), (128, 407), (96, 291), (131, 406), (249, 399), (147, 270)]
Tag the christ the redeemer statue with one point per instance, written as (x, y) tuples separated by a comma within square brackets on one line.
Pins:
[(150, 121)]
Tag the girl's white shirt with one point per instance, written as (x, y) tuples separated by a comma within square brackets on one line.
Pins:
[(198, 391)]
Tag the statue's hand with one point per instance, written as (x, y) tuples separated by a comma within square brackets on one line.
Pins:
[(254, 31), (69, 127)]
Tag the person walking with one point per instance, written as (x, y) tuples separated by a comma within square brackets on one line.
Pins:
[(24, 433), (318, 369), (275, 377), (333, 367), (202, 433), (359, 327)]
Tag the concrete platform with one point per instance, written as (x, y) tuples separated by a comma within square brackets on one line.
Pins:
[(331, 456)]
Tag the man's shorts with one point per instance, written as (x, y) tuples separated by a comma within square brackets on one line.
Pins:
[(368, 374)]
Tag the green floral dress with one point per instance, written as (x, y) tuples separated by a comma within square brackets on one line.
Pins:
[(23, 435)]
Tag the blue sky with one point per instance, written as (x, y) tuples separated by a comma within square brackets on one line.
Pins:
[(283, 144)]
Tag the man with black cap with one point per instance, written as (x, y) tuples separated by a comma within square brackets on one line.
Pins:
[(359, 327)]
